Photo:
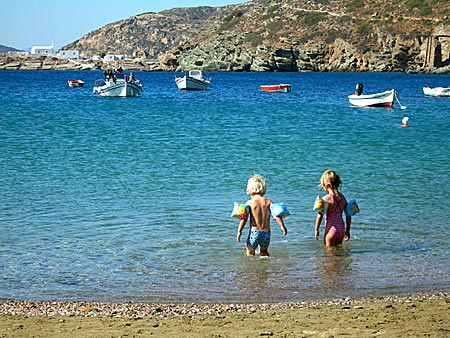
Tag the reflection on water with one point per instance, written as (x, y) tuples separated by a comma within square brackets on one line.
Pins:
[(337, 261), (334, 269), (259, 279)]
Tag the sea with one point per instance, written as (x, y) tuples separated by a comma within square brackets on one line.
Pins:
[(130, 199)]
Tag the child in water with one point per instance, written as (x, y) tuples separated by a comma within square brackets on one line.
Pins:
[(259, 234), (335, 230)]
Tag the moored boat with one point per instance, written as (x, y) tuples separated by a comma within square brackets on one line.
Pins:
[(279, 88), (437, 91), (118, 87), (384, 99), (75, 83), (192, 80)]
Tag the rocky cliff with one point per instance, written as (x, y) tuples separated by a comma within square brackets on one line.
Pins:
[(281, 35)]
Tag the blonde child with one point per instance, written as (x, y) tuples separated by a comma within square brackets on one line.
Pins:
[(335, 230), (259, 206)]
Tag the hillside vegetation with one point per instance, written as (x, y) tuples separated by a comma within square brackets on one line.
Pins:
[(285, 35)]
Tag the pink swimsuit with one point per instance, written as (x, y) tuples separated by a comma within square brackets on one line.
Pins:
[(334, 224)]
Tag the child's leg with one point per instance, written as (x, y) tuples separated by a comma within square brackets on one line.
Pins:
[(250, 251), (330, 239), (339, 241), (264, 243), (264, 251)]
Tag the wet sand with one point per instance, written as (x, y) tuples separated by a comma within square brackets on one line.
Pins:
[(409, 316)]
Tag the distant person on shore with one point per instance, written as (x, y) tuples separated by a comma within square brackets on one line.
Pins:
[(358, 89), (259, 214), (405, 122), (335, 230)]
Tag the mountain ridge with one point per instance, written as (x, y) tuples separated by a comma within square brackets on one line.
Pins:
[(6, 49), (282, 35)]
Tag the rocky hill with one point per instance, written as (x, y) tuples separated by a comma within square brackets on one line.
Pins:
[(6, 49), (334, 35), (151, 34), (283, 35)]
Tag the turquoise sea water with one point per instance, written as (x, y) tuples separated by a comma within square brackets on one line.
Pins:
[(129, 199)]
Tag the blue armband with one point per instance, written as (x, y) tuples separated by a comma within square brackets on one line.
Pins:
[(352, 208), (320, 205), (279, 210)]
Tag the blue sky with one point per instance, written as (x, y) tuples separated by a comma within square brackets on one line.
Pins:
[(27, 23)]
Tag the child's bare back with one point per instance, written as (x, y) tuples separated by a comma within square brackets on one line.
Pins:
[(260, 210)]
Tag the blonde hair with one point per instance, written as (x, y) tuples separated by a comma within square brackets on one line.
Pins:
[(330, 180), (256, 185)]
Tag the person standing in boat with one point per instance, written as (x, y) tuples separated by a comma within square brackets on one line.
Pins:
[(359, 89)]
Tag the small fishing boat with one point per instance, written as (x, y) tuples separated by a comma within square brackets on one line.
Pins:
[(116, 87), (192, 80), (437, 91), (75, 83), (279, 88), (384, 99)]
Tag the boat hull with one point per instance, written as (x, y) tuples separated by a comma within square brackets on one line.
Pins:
[(437, 91), (75, 83), (281, 88), (119, 89), (191, 83), (384, 99)]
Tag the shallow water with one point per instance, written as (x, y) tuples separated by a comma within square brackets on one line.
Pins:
[(129, 199)]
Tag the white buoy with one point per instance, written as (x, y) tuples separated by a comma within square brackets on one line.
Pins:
[(405, 121)]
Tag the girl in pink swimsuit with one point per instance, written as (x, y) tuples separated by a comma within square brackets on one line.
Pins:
[(335, 230)]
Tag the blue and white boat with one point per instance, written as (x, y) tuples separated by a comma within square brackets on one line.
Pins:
[(384, 99), (113, 87), (437, 91), (193, 80)]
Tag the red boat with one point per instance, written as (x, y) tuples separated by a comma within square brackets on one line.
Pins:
[(280, 88), (75, 83)]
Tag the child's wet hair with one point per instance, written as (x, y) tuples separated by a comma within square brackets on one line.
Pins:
[(256, 185), (330, 180)]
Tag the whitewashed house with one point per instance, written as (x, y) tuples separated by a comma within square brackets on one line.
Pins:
[(111, 57), (42, 50), (69, 54)]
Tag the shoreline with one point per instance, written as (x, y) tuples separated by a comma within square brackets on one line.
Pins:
[(29, 308), (388, 316)]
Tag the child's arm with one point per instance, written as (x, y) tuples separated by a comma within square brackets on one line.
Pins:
[(281, 224), (348, 222), (241, 226), (318, 221)]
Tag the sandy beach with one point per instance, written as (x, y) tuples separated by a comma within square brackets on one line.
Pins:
[(411, 316)]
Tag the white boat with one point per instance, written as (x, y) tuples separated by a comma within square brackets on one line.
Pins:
[(193, 80), (384, 99), (113, 87), (437, 91), (75, 83)]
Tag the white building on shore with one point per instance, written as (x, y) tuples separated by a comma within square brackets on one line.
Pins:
[(42, 50), (69, 54), (112, 57)]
